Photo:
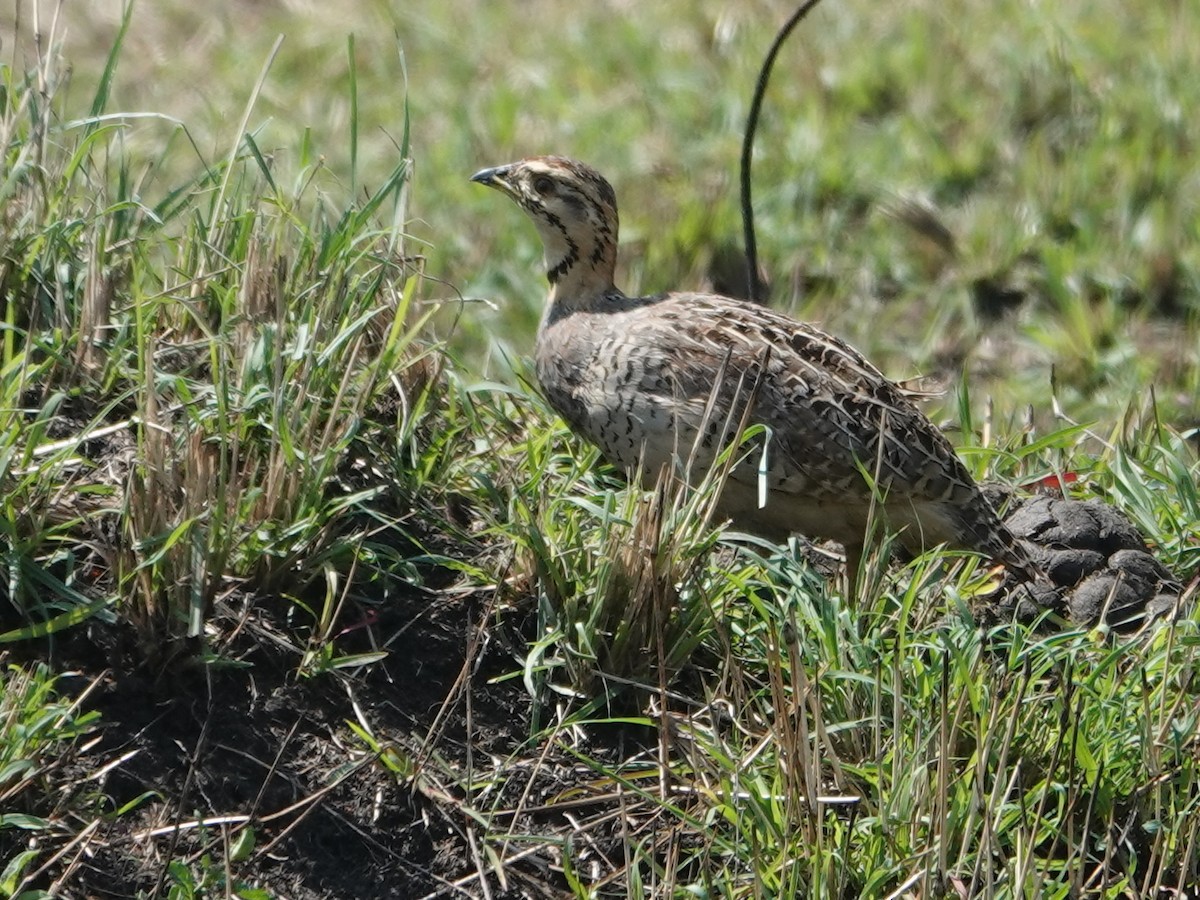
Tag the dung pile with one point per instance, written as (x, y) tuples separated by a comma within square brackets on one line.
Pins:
[(1098, 562)]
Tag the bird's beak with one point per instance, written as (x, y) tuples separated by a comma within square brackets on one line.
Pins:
[(495, 177)]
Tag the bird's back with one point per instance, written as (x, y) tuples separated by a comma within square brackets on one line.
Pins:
[(658, 381)]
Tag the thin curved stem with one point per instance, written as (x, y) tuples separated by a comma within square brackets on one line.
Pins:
[(760, 90)]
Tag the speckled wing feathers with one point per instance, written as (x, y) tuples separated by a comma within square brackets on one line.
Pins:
[(831, 417)]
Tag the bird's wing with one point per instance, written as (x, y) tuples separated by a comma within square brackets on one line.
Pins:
[(830, 413)]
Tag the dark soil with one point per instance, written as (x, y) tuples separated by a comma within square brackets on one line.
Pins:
[(329, 818)]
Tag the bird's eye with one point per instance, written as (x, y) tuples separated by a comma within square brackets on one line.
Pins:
[(543, 185)]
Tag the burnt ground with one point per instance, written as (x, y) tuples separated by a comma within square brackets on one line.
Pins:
[(330, 818)]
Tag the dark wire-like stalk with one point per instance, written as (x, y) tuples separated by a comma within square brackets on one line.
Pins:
[(760, 90)]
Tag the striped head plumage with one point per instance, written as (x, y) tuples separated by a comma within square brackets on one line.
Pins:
[(575, 212)]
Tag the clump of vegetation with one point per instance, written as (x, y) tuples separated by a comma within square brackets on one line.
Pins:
[(196, 378)]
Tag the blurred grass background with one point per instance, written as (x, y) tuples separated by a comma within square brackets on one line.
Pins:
[(1001, 189)]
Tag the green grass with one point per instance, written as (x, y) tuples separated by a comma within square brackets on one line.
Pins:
[(245, 386), (1052, 142), (39, 735)]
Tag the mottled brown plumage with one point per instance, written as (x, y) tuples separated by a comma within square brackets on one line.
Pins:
[(636, 376)]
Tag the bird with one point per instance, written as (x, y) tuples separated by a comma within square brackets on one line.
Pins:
[(668, 381)]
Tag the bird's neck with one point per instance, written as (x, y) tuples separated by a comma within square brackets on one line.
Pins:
[(580, 272)]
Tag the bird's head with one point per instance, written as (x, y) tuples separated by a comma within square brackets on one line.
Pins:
[(575, 212)]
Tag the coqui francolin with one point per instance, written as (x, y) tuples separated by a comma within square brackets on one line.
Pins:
[(656, 381)]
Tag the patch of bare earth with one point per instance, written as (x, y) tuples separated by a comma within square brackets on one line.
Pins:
[(253, 746)]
